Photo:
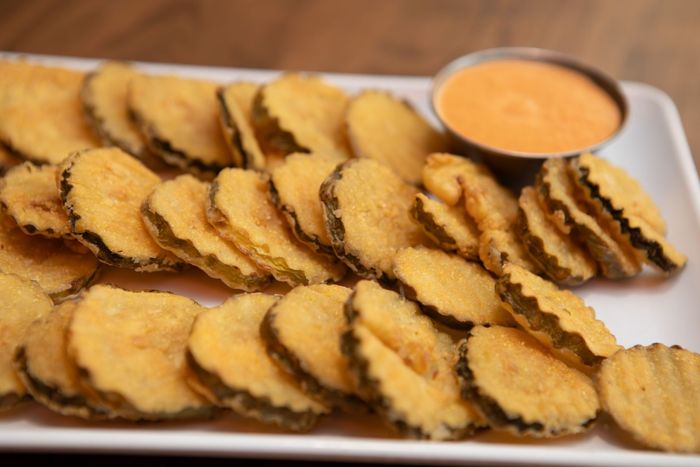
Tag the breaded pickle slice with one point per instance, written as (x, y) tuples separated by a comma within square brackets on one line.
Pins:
[(179, 119), (102, 191), (500, 247), (235, 115), (522, 388), (618, 199), (450, 177), (42, 118), (618, 190), (456, 292), (383, 127), (176, 216), (294, 186), (403, 366), (23, 302), (559, 255), (656, 250), (556, 317), (240, 208), (29, 195), (301, 113), (313, 314), (441, 175), (367, 213), (47, 371), (558, 193), (58, 269), (653, 393), (7, 160), (492, 206), (129, 348), (450, 227), (104, 96), (228, 362)]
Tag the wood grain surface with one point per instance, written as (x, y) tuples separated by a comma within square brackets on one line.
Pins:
[(653, 41)]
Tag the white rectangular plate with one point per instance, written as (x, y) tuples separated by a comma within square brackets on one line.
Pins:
[(643, 310)]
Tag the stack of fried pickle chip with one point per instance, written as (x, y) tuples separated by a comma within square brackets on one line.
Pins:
[(451, 318), (582, 217)]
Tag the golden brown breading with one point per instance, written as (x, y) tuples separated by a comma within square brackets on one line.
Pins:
[(179, 118), (382, 127), (23, 303), (102, 192), (366, 208), (241, 210)]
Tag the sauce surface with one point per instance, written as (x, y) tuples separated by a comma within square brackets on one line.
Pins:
[(527, 106)]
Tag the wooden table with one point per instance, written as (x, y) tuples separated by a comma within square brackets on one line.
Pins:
[(654, 41)]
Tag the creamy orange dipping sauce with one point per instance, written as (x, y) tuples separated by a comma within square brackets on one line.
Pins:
[(527, 106)]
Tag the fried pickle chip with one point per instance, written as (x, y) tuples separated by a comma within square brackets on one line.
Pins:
[(613, 186), (175, 214), (104, 97), (47, 371), (301, 113), (29, 194), (656, 250), (235, 116), (492, 206), (558, 193), (129, 348), (456, 292), (450, 177), (403, 366), (653, 393), (7, 160), (240, 208), (441, 175), (42, 119), (313, 314), (102, 191), (23, 303), (619, 200), (367, 212), (500, 247), (522, 388), (556, 317), (387, 129), (450, 227), (294, 187), (228, 362), (559, 256), (179, 119), (58, 269)]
